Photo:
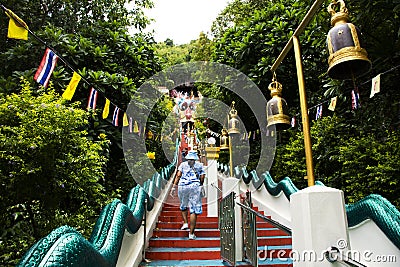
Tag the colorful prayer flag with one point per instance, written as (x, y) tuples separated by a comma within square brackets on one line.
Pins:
[(70, 91), (106, 109), (17, 28), (92, 99), (130, 125), (332, 104), (318, 115), (115, 116), (355, 99), (136, 127), (125, 120), (376, 85), (46, 67)]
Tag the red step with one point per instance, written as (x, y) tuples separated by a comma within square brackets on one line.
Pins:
[(170, 246), (178, 225), (184, 242), (184, 233), (189, 253)]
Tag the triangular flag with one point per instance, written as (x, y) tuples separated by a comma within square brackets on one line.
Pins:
[(318, 115), (92, 101), (46, 67), (136, 127), (376, 85), (332, 104), (355, 99), (70, 91), (17, 28), (106, 109), (115, 116), (125, 120)]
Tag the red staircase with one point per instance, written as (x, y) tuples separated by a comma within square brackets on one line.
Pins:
[(170, 246)]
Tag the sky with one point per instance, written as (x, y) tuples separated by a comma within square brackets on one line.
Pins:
[(183, 20)]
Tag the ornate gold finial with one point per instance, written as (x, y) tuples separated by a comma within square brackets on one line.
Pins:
[(233, 111), (275, 87), (338, 17)]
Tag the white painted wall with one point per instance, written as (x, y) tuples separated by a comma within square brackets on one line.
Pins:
[(277, 207), (372, 246)]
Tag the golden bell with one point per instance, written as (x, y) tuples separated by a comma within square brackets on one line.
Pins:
[(347, 59), (224, 142), (277, 108), (233, 123)]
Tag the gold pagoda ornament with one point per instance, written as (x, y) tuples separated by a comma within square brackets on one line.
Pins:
[(347, 57), (277, 108)]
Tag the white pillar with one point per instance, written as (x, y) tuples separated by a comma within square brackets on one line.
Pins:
[(212, 154), (232, 185), (212, 192), (318, 222)]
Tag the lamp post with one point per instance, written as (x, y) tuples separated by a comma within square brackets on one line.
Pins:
[(347, 59)]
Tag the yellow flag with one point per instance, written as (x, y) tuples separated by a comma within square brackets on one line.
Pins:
[(69, 92), (135, 127), (17, 28), (125, 120), (332, 104), (106, 109)]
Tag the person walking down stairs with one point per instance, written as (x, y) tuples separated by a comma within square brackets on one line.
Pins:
[(189, 178)]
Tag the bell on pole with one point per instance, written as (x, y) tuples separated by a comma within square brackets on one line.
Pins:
[(347, 57), (224, 141), (277, 109), (233, 123)]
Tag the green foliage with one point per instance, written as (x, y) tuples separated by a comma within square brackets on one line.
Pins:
[(51, 173), (115, 62), (249, 36), (172, 55), (359, 165)]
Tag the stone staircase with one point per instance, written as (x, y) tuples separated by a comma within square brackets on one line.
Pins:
[(170, 246)]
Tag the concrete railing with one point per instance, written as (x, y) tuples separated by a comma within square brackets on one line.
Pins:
[(368, 231)]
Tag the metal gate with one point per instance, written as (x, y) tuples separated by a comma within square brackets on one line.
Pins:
[(227, 228), (249, 229)]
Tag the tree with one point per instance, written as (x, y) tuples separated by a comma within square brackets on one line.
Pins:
[(359, 165), (50, 173), (104, 53), (252, 42)]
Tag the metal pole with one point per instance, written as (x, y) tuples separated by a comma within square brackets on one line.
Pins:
[(230, 157), (144, 230), (300, 29), (304, 113)]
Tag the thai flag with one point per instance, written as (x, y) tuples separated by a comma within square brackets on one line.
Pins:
[(115, 116), (355, 99), (92, 99), (318, 115), (46, 67)]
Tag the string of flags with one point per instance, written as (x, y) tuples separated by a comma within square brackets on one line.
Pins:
[(18, 29), (355, 97)]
